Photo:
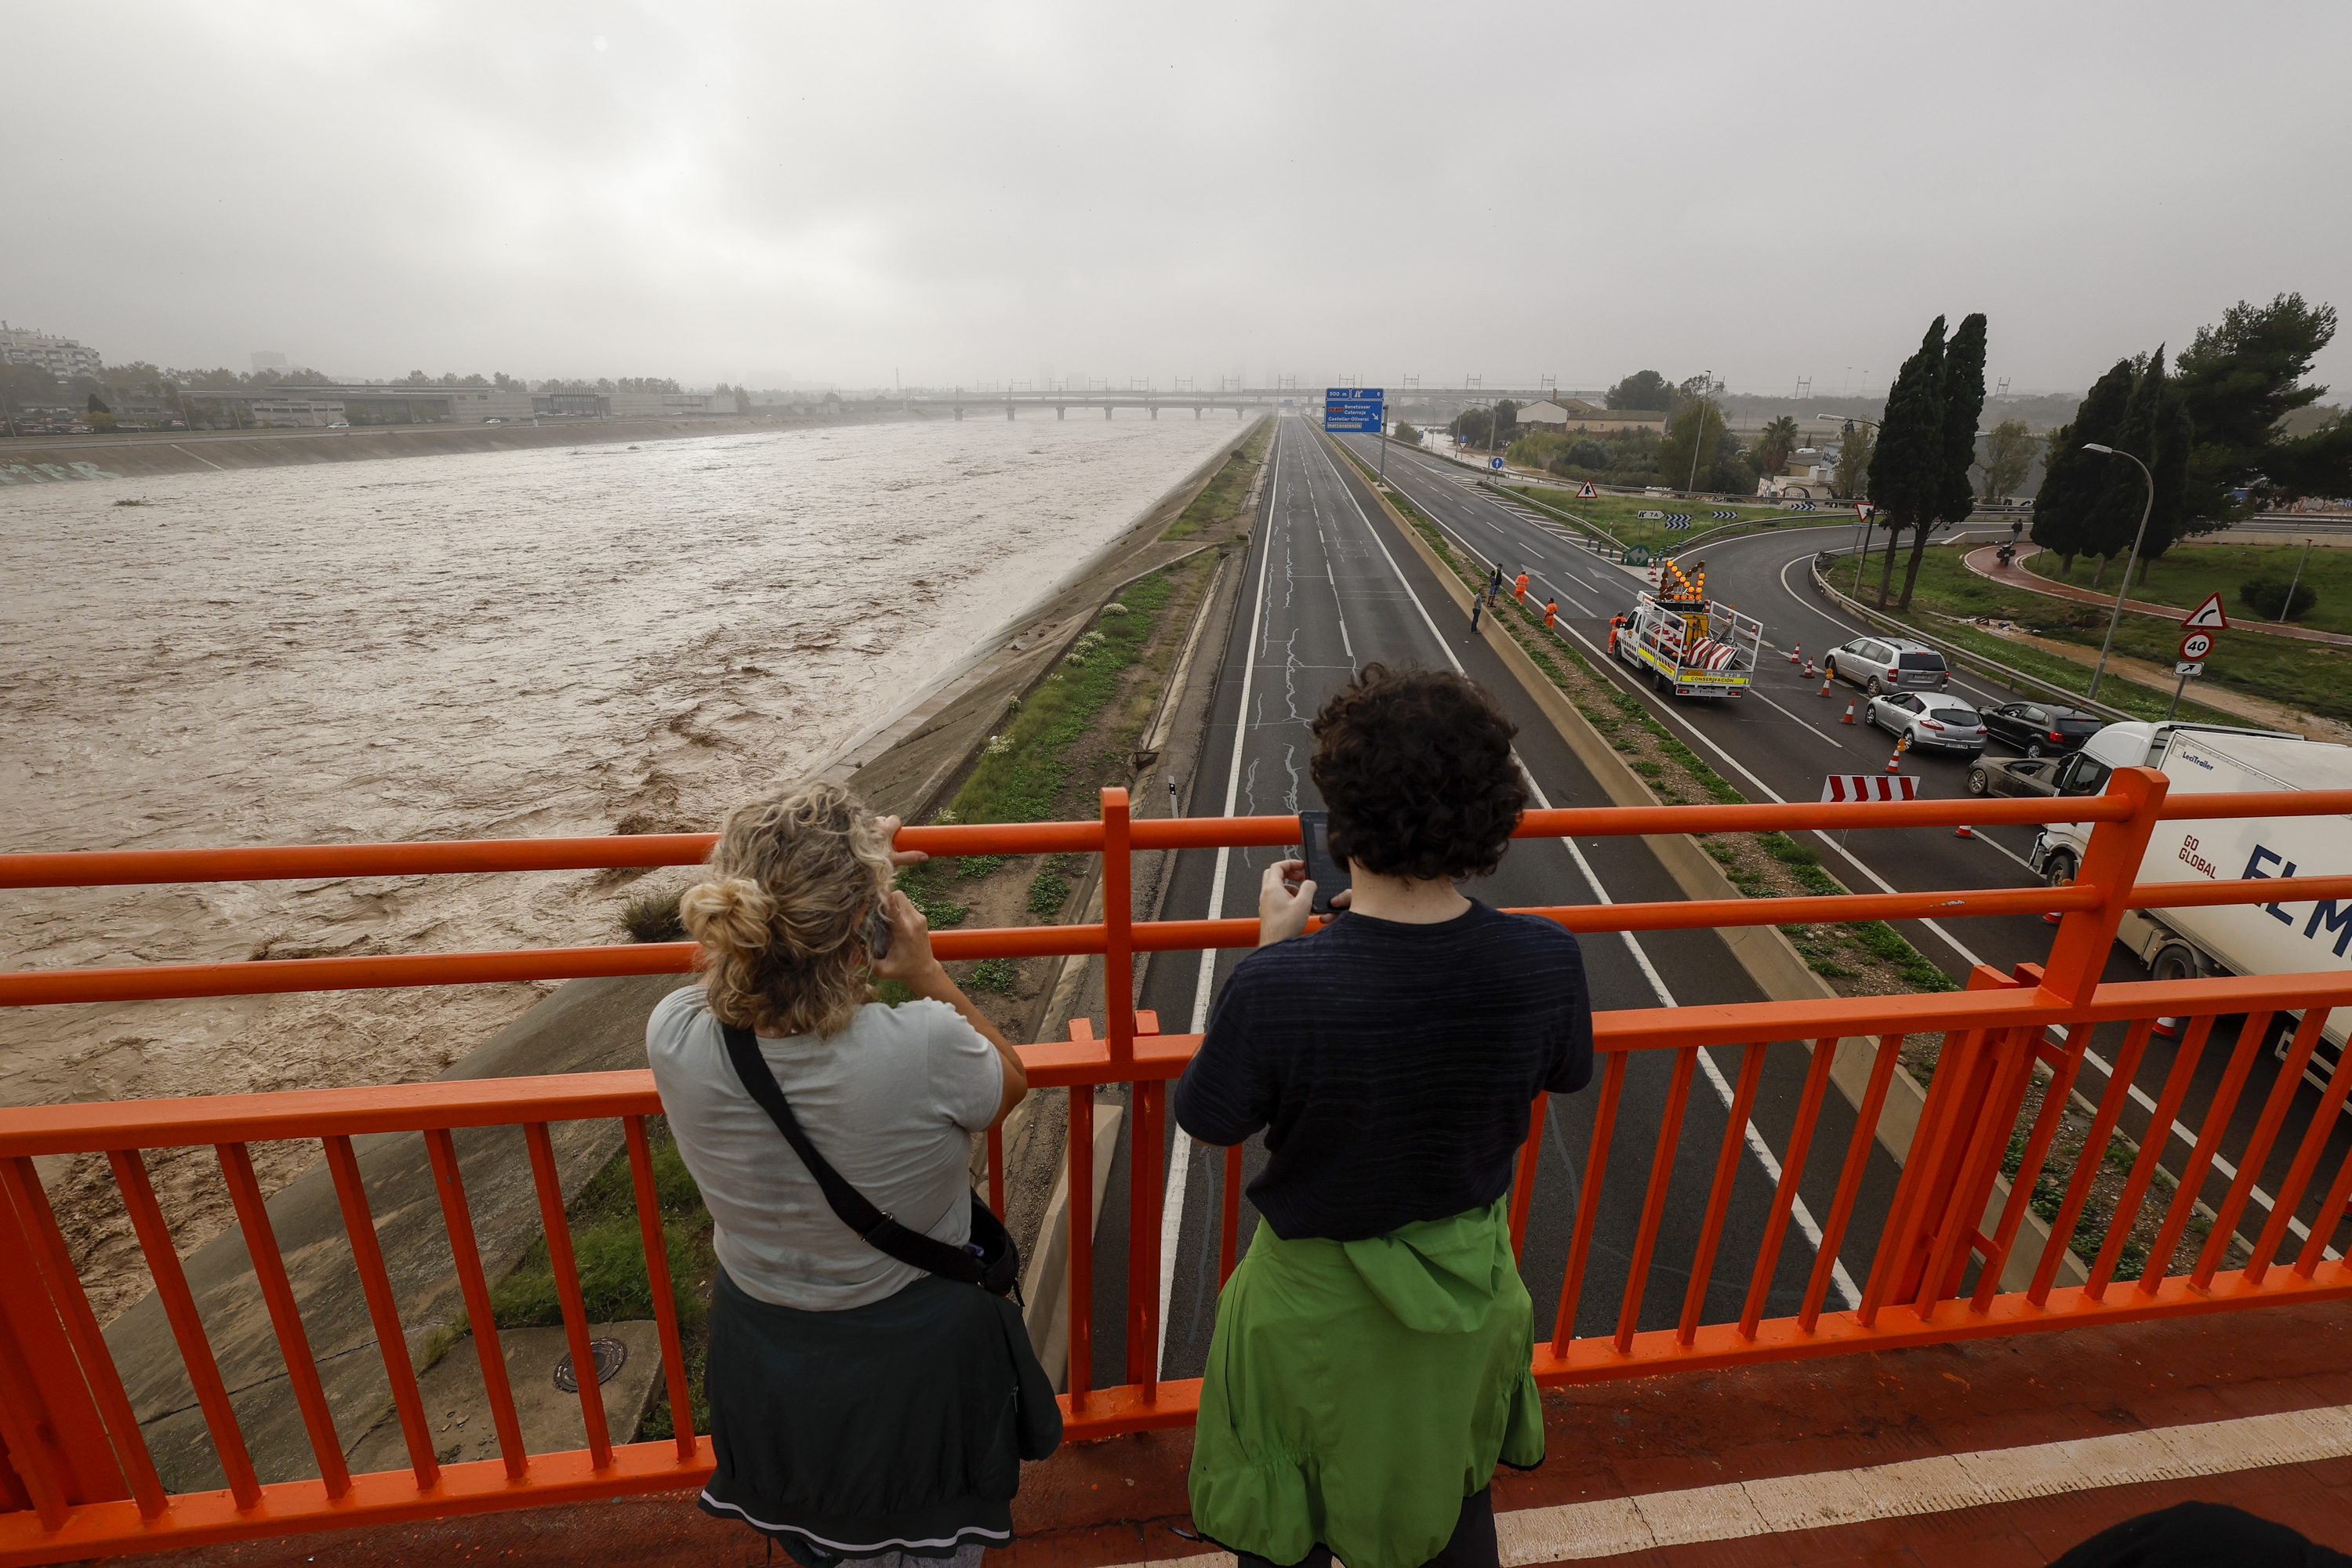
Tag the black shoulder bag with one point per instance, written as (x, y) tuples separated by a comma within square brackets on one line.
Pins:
[(989, 1260)]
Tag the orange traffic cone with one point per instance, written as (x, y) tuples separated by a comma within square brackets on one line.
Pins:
[(1894, 763), (1809, 666), (1825, 683), (1962, 832), (1849, 714), (1795, 651)]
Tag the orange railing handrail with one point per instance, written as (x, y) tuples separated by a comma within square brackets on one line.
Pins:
[(74, 1468), (125, 868)]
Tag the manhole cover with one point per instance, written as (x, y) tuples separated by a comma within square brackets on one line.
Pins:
[(609, 1355)]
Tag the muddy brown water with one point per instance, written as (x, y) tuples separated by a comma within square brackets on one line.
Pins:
[(478, 646)]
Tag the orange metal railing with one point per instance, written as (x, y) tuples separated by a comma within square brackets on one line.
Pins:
[(77, 1478)]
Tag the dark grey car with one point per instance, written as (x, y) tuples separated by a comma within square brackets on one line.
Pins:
[(2026, 776)]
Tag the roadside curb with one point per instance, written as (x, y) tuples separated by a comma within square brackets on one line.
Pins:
[(1766, 955)]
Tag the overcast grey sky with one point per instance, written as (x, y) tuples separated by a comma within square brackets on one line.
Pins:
[(976, 193)]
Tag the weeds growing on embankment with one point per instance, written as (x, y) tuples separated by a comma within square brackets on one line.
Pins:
[(1222, 503)]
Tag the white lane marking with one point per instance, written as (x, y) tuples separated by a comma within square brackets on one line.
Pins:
[(1793, 718), (1940, 1483), (1754, 1136), (1172, 1207)]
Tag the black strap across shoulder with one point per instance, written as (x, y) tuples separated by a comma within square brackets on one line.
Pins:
[(993, 1267)]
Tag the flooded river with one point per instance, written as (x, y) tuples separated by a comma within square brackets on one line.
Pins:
[(476, 646)]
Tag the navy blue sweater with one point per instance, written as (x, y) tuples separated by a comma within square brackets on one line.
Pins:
[(1391, 1065)]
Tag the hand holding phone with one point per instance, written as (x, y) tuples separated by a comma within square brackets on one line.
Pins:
[(1329, 873)]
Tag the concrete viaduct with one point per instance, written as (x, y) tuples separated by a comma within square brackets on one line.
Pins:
[(1240, 401)]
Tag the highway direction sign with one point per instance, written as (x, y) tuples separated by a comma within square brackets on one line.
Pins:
[(2189, 667), (1354, 408), (2208, 617), (2196, 644)]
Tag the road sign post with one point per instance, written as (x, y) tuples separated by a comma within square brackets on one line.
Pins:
[(2197, 630)]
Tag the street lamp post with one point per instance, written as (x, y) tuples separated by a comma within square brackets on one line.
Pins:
[(2288, 608), (1863, 560), (1699, 434), (2125, 588)]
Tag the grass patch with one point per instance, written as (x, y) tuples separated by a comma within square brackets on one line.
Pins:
[(2310, 678), (2187, 573), (996, 974), (1048, 891), (610, 1255), (1020, 779), (1620, 515), (1219, 505)]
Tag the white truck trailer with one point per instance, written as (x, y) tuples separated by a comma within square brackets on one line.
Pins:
[(2224, 939)]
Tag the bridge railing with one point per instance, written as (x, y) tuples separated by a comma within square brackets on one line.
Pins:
[(77, 1478)]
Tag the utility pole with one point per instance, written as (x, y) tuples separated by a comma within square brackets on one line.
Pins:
[(2288, 608), (1699, 434)]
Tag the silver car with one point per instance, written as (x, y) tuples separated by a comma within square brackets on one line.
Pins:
[(1888, 664), (1934, 721)]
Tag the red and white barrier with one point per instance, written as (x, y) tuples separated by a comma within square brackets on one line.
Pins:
[(1840, 789)]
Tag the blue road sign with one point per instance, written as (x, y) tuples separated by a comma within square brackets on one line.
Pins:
[(1496, 463), (1354, 408)]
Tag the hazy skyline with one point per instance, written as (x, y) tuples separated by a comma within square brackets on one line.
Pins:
[(1024, 192)]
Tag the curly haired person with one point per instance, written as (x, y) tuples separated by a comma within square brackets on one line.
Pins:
[(1369, 1364)]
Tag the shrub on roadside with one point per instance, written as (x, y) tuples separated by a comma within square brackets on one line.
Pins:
[(2267, 597), (653, 917)]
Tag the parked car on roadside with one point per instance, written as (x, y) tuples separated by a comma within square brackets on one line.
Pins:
[(1934, 721), (2022, 776), (2041, 728), (1888, 664)]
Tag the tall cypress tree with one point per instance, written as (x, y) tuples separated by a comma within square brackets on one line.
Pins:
[(2112, 528), (2072, 478), (1962, 396), (1907, 468)]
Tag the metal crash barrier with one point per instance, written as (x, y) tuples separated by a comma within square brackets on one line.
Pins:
[(77, 1478)]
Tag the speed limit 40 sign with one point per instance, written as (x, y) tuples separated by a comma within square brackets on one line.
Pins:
[(2196, 645)]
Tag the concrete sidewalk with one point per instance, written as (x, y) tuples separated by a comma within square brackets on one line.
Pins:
[(1985, 562)]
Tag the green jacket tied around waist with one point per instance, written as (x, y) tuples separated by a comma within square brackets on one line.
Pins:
[(1357, 1390)]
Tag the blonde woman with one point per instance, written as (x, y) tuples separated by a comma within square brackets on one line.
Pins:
[(860, 1407)]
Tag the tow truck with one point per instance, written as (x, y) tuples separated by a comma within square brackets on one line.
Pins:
[(1691, 645)]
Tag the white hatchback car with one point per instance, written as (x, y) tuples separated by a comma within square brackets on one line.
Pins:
[(1931, 720)]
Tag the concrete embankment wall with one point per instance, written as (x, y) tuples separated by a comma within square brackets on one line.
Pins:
[(65, 459)]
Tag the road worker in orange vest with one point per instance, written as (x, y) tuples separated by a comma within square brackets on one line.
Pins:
[(1616, 624), (1520, 590), (1551, 614)]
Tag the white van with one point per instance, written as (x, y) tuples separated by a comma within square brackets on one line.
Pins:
[(2222, 938)]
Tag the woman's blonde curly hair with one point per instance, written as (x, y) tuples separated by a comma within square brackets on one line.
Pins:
[(780, 919)]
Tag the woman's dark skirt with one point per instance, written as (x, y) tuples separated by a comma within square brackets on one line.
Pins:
[(898, 1427)]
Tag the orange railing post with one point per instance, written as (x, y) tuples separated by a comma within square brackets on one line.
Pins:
[(1118, 927), (2110, 865)]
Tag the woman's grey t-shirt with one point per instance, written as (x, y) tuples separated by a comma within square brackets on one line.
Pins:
[(891, 1102)]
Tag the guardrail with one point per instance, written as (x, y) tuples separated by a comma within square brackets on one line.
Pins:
[(77, 1479), (1992, 668)]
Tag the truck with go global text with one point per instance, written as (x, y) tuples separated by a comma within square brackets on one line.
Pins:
[(2227, 939), (1691, 645)]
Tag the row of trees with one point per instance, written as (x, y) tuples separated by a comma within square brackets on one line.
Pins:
[(1919, 472), (31, 384), (2212, 430)]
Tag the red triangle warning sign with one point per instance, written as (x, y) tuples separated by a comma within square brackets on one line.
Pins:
[(2208, 617), (1586, 491), (1862, 509)]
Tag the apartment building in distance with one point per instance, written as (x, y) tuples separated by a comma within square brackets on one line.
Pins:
[(61, 357)]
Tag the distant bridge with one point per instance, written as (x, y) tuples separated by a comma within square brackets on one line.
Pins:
[(1239, 399)]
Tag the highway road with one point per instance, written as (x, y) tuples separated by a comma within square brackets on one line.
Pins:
[(1781, 741), (1328, 588)]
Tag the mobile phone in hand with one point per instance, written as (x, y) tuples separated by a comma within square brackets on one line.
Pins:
[(1329, 873)]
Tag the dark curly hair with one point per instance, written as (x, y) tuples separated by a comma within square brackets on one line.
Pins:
[(1416, 770)]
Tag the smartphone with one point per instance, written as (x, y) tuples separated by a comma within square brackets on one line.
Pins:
[(1329, 874), (878, 933)]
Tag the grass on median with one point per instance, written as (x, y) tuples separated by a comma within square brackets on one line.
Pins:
[(2184, 574), (2310, 678), (1220, 504), (1619, 515)]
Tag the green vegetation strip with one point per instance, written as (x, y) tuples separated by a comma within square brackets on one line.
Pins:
[(1768, 864), (2309, 677), (1221, 501), (1619, 515)]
